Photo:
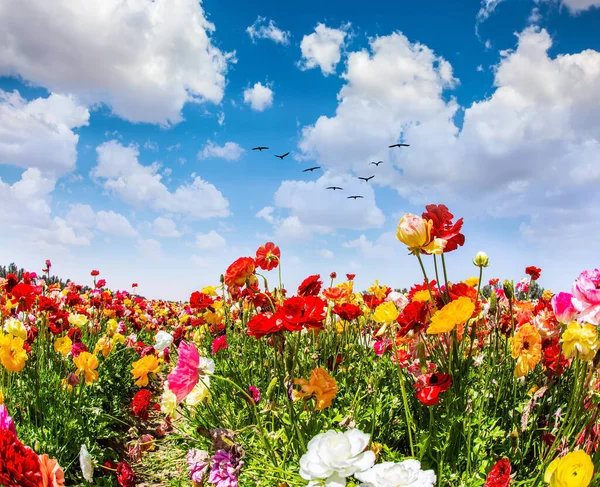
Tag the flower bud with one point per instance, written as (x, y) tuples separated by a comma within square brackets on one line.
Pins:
[(481, 259), (493, 303), (271, 388), (509, 289)]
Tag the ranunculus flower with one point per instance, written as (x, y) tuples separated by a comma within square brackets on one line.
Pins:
[(526, 349), (190, 368), (19, 465), (562, 305), (581, 341), (52, 474), (239, 271), (198, 462), (455, 313), (6, 422), (443, 228), (219, 343), (347, 311), (125, 475), (162, 340), (430, 386), (399, 299), (533, 272), (385, 313), (311, 286), (85, 462), (300, 311), (264, 324), (575, 469), (267, 256), (499, 475), (586, 296), (332, 456), (321, 386), (402, 474)]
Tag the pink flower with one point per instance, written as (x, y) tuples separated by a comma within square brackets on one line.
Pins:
[(225, 469), (6, 422), (562, 304), (382, 346), (219, 343), (254, 393), (190, 367), (586, 296)]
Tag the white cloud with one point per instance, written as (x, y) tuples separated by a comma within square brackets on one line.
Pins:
[(143, 59), (480, 69), (385, 247), (576, 6), (325, 253), (487, 8), (150, 248), (259, 97), (81, 216), (263, 29), (114, 224), (120, 172), (323, 48), (230, 151), (209, 241), (150, 145), (266, 214), (165, 227), (39, 133)]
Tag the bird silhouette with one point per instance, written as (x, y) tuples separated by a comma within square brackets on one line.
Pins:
[(355, 197), (377, 163), (282, 156), (399, 145), (366, 180), (260, 148), (311, 169), (334, 187)]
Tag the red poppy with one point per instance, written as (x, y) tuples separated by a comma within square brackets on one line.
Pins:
[(141, 403), (443, 226), (239, 271), (534, 272), (350, 277), (371, 301), (401, 358), (494, 281), (300, 311), (135, 284), (219, 343), (311, 286), (267, 256), (347, 311), (264, 324), (95, 273), (414, 315), (553, 359), (430, 386), (25, 295), (200, 300), (333, 275), (499, 475), (19, 464), (125, 475)]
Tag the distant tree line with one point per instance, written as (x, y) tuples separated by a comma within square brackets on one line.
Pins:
[(19, 271)]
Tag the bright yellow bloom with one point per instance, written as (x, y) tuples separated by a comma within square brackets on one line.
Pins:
[(78, 320), (415, 232), (1, 397), (377, 290), (111, 327), (15, 328), (143, 367), (118, 338), (422, 296), (12, 353), (581, 341), (103, 345), (321, 386), (472, 281), (210, 290), (346, 286), (385, 313), (526, 348), (575, 469), (86, 364), (184, 319), (63, 345), (547, 294), (455, 313)]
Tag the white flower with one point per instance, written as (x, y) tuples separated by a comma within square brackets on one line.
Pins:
[(332, 456), (403, 474), (399, 299), (168, 401), (199, 393), (85, 462), (206, 366), (163, 340), (15, 328)]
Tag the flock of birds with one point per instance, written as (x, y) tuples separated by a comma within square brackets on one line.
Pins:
[(334, 188)]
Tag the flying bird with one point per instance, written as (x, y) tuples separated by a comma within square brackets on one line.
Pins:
[(355, 197), (282, 156), (366, 180), (399, 145), (334, 187), (377, 163), (260, 148), (311, 169)]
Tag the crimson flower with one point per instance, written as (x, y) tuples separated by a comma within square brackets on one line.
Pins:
[(239, 271), (414, 315), (94, 273), (300, 311), (350, 277), (347, 311), (494, 281), (25, 294), (553, 359), (141, 403), (333, 275), (19, 464), (443, 226), (267, 256), (499, 475), (254, 393), (200, 300), (135, 284), (311, 286), (264, 324), (534, 272), (430, 386), (101, 283), (125, 475), (371, 301), (219, 343), (401, 358)]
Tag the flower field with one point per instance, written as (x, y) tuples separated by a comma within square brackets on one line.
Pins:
[(476, 383)]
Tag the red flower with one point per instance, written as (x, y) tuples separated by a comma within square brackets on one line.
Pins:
[(125, 475), (423, 287), (141, 403), (443, 226), (267, 256), (74, 334), (200, 300), (299, 311), (219, 344), (401, 358), (371, 301), (430, 386), (414, 315), (311, 286), (499, 475), (333, 275), (463, 290), (264, 324), (239, 271), (25, 294), (382, 346), (48, 263), (553, 359), (135, 284), (101, 283), (11, 282), (494, 281), (347, 311), (19, 464), (350, 277), (95, 273), (534, 272), (48, 304)]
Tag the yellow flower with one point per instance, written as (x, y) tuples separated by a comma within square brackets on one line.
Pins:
[(103, 345), (547, 294), (1, 397), (111, 327), (472, 281), (455, 313), (15, 328), (63, 345), (581, 341), (415, 232), (215, 318), (210, 290), (168, 402), (321, 386), (346, 286), (143, 367), (118, 338), (526, 348), (87, 364), (12, 353), (78, 320), (575, 469), (377, 290), (200, 393), (183, 319), (481, 259), (422, 296), (385, 313)]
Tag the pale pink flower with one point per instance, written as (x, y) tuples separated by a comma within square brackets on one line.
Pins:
[(586, 296), (6, 422)]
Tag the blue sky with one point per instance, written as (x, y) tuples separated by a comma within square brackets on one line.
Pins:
[(126, 129)]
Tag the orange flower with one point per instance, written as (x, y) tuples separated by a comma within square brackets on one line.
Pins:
[(239, 271), (52, 474), (321, 386), (335, 293), (526, 348)]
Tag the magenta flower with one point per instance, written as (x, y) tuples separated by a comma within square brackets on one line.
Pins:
[(190, 367), (6, 422), (382, 346), (225, 469), (198, 462), (219, 343), (562, 304), (254, 393), (586, 296), (77, 348)]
